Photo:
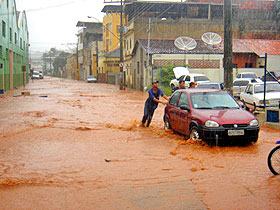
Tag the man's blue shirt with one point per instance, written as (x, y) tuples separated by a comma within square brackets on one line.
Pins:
[(150, 101)]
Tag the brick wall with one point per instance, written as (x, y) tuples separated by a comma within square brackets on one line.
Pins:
[(204, 64), (161, 62)]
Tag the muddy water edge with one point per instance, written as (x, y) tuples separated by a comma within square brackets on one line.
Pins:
[(73, 145)]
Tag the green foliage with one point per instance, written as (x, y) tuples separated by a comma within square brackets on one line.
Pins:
[(167, 75), (167, 90), (60, 60), (56, 58)]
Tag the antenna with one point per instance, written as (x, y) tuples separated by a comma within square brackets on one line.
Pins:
[(185, 43), (211, 38)]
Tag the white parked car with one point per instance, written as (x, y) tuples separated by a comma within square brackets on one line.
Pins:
[(35, 75), (249, 75), (253, 96), (239, 85), (91, 79), (182, 73), (41, 75)]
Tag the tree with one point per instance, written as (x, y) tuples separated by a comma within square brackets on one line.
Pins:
[(167, 74), (60, 60)]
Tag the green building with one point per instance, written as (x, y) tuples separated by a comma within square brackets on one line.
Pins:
[(14, 45)]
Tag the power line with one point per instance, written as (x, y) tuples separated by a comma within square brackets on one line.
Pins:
[(47, 7), (141, 29)]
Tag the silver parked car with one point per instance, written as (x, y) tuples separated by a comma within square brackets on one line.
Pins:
[(211, 85), (239, 86)]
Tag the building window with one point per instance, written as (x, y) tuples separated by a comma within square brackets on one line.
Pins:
[(15, 38), (20, 43), (3, 28), (0, 51), (11, 35), (234, 66), (110, 42), (7, 54), (248, 65), (23, 45)]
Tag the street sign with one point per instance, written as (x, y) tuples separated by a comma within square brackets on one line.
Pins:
[(121, 64)]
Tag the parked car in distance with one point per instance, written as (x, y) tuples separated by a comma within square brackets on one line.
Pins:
[(253, 96), (210, 115), (239, 85), (247, 75), (91, 79), (182, 73), (191, 77), (41, 76), (35, 75), (211, 85)]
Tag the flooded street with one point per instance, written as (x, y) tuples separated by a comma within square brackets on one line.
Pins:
[(73, 145)]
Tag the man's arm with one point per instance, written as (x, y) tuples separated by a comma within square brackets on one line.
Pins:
[(166, 98), (162, 102)]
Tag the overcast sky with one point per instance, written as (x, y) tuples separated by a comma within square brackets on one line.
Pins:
[(52, 23)]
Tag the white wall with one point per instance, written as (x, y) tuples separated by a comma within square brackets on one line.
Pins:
[(273, 63)]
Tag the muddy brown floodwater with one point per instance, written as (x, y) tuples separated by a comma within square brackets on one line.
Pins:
[(73, 145)]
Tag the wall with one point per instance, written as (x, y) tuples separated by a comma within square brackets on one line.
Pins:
[(14, 47), (111, 22), (273, 63), (242, 58), (213, 72)]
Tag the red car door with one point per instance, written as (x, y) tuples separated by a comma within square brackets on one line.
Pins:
[(183, 117), (173, 111)]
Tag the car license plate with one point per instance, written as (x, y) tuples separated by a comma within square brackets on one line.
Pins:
[(235, 132)]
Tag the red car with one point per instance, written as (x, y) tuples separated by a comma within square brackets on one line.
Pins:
[(211, 115)]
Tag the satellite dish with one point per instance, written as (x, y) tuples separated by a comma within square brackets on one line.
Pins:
[(185, 43), (211, 38)]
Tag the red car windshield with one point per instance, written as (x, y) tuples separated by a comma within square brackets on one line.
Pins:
[(213, 100)]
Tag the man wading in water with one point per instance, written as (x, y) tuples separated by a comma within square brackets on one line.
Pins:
[(152, 103)]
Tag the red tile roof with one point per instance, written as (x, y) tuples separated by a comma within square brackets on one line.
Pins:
[(257, 46)]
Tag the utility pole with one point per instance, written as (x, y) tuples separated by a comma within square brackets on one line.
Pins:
[(148, 57), (122, 81), (121, 49), (228, 45), (96, 41)]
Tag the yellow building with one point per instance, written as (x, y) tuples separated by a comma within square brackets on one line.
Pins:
[(111, 27), (109, 61)]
